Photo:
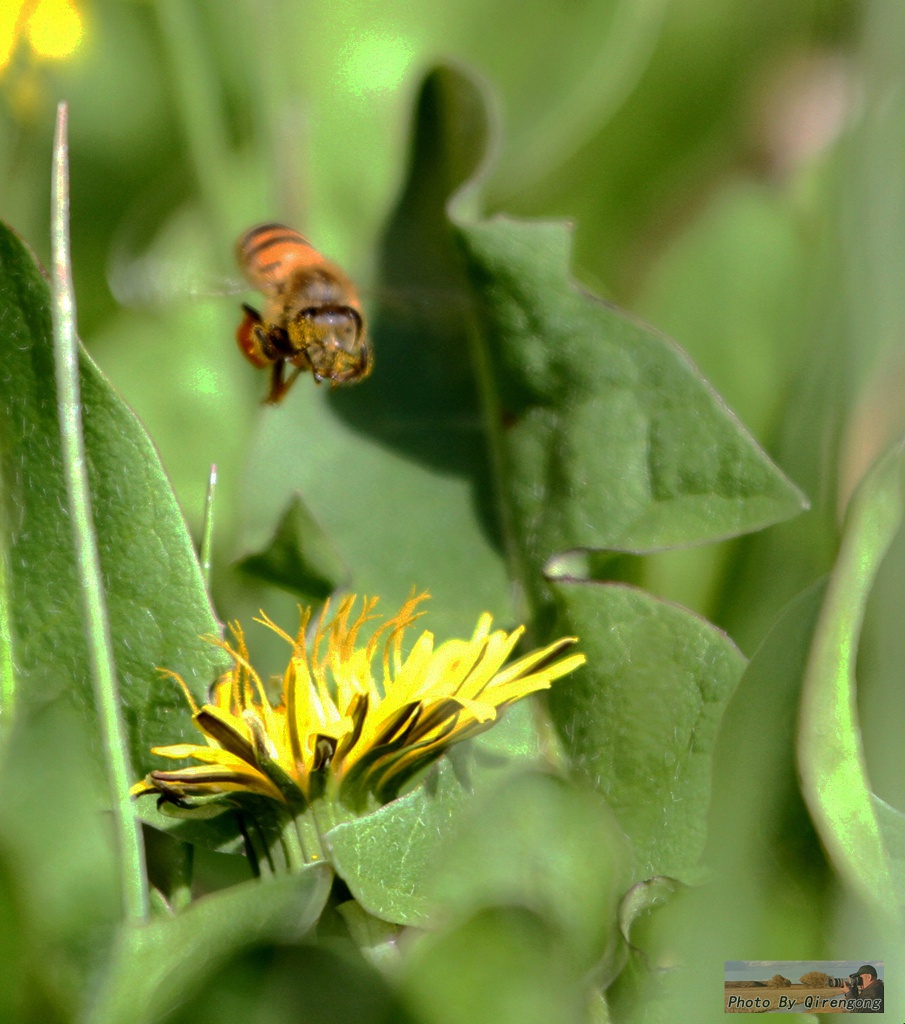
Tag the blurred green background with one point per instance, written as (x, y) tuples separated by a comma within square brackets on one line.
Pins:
[(736, 175)]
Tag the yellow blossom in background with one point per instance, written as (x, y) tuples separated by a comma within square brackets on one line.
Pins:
[(340, 730), (53, 28)]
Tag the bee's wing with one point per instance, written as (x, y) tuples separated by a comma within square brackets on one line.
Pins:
[(413, 301), (159, 257), (152, 280)]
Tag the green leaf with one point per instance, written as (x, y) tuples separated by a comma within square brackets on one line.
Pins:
[(155, 965), (638, 984), (502, 965), (14, 987), (760, 841), (742, 324), (24, 995), (52, 772), (218, 829), (155, 602), (539, 842), (59, 845), (641, 898), (312, 982), (639, 721), (387, 858), (300, 557), (892, 829), (607, 436), (830, 752), (759, 827), (155, 598), (377, 939), (513, 838)]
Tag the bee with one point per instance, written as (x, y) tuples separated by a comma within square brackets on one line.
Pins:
[(312, 318)]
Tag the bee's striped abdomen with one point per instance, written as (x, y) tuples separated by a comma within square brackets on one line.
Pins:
[(270, 254)]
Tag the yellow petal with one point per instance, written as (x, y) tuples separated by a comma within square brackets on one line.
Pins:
[(199, 780), (209, 755), (522, 686), (524, 665), (230, 733), (143, 788), (480, 710), (449, 667), (402, 689), (499, 647)]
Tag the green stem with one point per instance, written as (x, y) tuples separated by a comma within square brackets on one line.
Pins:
[(207, 530), (293, 844), (322, 813), (75, 471), (317, 822), (250, 852), (311, 835), (264, 857)]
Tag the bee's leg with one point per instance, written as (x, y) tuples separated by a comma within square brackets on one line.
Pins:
[(252, 338), (278, 386)]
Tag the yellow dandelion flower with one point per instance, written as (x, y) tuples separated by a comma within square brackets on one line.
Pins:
[(340, 730), (53, 28)]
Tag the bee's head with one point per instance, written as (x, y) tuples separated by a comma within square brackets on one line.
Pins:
[(332, 340)]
